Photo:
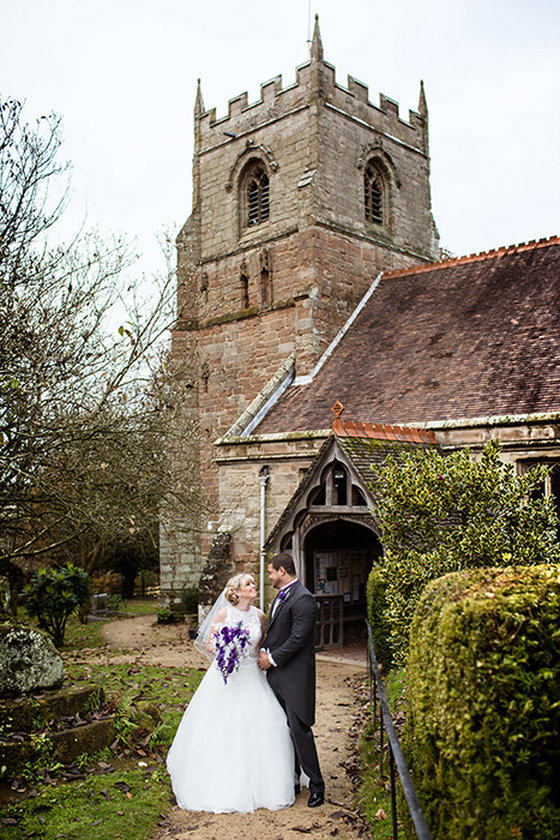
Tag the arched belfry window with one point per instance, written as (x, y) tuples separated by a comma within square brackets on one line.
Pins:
[(373, 195), (256, 195), (336, 489)]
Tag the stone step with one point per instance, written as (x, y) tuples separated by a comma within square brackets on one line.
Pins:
[(25, 714), (64, 746)]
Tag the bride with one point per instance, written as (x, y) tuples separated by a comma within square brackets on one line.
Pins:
[(233, 750)]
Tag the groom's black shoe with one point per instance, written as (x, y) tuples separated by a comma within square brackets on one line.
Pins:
[(315, 799), (297, 788)]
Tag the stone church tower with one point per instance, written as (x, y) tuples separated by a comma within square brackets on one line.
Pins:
[(299, 201)]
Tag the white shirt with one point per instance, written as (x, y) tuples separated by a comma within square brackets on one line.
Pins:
[(277, 602), (274, 608)]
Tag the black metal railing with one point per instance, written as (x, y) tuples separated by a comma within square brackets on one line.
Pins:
[(378, 700)]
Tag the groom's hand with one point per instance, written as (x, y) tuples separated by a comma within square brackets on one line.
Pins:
[(263, 661)]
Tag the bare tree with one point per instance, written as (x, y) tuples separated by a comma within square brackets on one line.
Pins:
[(86, 401)]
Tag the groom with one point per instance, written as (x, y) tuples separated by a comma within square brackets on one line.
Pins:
[(288, 657)]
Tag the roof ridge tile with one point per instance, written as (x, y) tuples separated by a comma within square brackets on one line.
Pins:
[(476, 257), (383, 431)]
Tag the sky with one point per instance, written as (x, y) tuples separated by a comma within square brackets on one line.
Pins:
[(122, 75)]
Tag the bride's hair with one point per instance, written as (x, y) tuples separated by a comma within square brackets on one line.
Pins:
[(234, 584)]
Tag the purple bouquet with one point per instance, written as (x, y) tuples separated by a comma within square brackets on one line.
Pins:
[(230, 645)]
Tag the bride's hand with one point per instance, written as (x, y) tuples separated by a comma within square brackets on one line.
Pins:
[(213, 637), (263, 661)]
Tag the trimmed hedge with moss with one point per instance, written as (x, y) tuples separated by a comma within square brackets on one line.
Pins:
[(376, 610), (483, 728)]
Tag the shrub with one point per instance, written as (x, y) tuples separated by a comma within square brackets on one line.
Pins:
[(483, 725), (164, 615), (114, 602), (189, 600), (376, 608), (442, 513), (53, 595)]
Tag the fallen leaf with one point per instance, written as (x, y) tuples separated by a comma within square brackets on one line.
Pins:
[(122, 786)]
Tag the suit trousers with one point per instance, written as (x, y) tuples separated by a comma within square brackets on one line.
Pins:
[(305, 749)]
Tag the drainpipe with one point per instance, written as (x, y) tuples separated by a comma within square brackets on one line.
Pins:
[(263, 479)]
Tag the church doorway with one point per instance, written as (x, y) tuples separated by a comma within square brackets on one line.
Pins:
[(339, 555)]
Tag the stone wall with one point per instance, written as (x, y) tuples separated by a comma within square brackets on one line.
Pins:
[(239, 465)]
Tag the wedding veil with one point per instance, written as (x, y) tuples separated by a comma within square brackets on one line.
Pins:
[(203, 635), (201, 640)]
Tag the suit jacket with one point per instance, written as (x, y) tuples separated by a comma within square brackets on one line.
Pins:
[(290, 638)]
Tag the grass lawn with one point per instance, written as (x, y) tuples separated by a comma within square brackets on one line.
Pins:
[(138, 607), (117, 805), (374, 794), (124, 787)]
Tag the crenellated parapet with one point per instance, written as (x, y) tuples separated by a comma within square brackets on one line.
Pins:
[(275, 102), (315, 85)]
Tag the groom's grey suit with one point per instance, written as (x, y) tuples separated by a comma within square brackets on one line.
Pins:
[(290, 640)]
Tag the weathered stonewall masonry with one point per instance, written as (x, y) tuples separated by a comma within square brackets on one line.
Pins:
[(274, 258)]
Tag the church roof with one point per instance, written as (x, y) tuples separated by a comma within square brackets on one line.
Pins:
[(469, 337)]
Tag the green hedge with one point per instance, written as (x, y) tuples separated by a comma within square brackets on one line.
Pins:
[(483, 728), (376, 606)]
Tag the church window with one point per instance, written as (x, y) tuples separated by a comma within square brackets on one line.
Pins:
[(257, 196), (373, 195), (336, 489), (205, 375), (550, 488), (318, 495), (340, 493), (358, 498)]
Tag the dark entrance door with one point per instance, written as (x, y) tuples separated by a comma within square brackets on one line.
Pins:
[(339, 556)]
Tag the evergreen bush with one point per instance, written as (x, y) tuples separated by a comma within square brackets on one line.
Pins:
[(189, 600), (483, 724), (53, 595), (376, 607), (441, 513)]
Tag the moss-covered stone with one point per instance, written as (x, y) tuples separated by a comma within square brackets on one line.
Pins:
[(63, 747), (90, 738), (28, 660), (483, 728), (49, 728), (22, 714)]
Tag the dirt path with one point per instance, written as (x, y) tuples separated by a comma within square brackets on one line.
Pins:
[(142, 640)]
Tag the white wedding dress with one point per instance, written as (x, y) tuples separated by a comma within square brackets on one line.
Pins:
[(233, 750)]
